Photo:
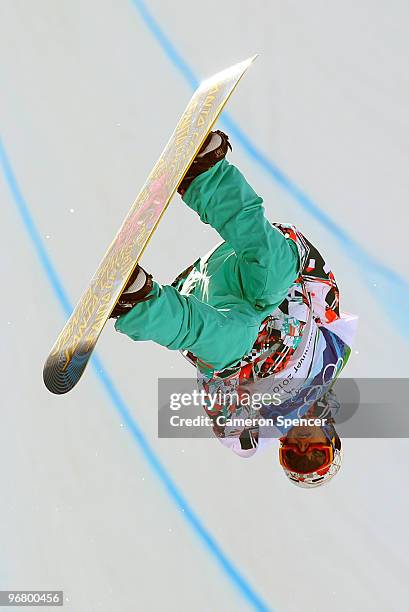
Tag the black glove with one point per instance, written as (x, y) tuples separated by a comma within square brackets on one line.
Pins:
[(202, 163), (128, 299)]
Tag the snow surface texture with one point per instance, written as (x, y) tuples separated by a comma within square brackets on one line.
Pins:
[(91, 91)]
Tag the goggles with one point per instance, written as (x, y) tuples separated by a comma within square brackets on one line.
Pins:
[(287, 452)]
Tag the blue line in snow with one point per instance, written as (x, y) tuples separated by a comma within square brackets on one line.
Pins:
[(150, 456), (34, 235), (389, 288)]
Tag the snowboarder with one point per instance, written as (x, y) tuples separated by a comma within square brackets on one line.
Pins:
[(259, 311)]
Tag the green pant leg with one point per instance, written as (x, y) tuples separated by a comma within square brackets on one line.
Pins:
[(266, 267), (179, 322), (267, 263)]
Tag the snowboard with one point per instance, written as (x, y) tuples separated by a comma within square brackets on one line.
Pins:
[(73, 348)]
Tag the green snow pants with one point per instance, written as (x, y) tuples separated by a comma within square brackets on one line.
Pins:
[(215, 312)]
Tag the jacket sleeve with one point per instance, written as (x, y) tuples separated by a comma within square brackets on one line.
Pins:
[(268, 262), (181, 322)]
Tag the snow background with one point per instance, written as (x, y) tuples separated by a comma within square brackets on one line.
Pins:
[(88, 100)]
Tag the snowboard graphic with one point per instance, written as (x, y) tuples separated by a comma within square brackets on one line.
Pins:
[(73, 348)]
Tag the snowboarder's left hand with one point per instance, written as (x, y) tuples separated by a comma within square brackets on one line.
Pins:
[(137, 290)]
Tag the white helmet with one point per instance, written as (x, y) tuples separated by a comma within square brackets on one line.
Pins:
[(328, 405), (318, 478)]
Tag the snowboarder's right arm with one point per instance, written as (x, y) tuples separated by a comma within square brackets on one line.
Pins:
[(219, 338)]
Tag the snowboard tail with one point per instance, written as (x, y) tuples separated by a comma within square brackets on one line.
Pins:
[(73, 348)]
